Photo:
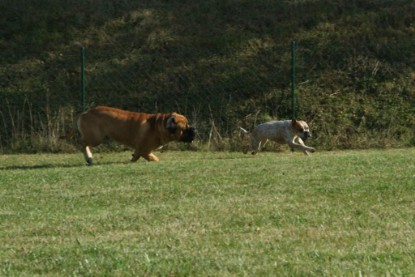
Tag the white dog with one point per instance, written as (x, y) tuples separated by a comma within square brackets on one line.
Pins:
[(293, 132)]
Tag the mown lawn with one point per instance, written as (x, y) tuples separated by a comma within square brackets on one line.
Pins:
[(209, 214)]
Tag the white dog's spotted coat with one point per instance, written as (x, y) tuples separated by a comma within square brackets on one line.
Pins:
[(293, 132)]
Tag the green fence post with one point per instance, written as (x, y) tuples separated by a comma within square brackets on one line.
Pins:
[(83, 92), (293, 96)]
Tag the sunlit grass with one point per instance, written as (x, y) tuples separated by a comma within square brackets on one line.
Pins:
[(209, 214)]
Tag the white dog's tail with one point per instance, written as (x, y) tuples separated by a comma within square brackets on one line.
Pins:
[(244, 130)]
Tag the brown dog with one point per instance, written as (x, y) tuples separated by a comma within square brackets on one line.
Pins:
[(141, 131)]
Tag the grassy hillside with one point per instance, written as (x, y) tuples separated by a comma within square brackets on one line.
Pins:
[(222, 63)]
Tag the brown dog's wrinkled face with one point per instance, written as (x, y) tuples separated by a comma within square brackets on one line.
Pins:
[(178, 126), (301, 128)]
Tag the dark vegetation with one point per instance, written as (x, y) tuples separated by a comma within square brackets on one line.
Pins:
[(222, 63)]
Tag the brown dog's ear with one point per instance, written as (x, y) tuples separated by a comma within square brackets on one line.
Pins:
[(171, 124)]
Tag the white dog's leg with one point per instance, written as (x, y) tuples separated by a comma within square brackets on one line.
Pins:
[(300, 146), (262, 144), (306, 149), (257, 145)]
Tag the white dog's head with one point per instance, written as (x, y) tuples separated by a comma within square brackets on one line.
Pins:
[(301, 129)]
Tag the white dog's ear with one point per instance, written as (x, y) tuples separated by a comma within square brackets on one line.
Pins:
[(294, 122), (171, 124)]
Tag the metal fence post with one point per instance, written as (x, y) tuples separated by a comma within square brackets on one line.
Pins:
[(293, 96)]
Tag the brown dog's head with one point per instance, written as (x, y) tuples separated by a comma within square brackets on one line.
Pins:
[(178, 126), (301, 129)]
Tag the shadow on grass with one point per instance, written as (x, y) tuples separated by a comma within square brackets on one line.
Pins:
[(49, 166)]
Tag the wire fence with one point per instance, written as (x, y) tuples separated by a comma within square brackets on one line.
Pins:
[(217, 92)]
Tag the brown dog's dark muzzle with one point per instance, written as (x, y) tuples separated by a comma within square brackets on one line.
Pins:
[(188, 135)]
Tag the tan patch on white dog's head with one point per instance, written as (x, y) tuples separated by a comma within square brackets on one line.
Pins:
[(301, 128)]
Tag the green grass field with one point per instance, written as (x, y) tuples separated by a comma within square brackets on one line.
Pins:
[(209, 214)]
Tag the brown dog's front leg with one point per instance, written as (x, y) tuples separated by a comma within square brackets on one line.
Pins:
[(151, 157), (135, 156)]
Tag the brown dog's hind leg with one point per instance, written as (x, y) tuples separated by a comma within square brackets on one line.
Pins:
[(87, 154), (89, 137)]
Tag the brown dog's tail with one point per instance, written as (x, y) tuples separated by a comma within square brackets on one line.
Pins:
[(70, 134)]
